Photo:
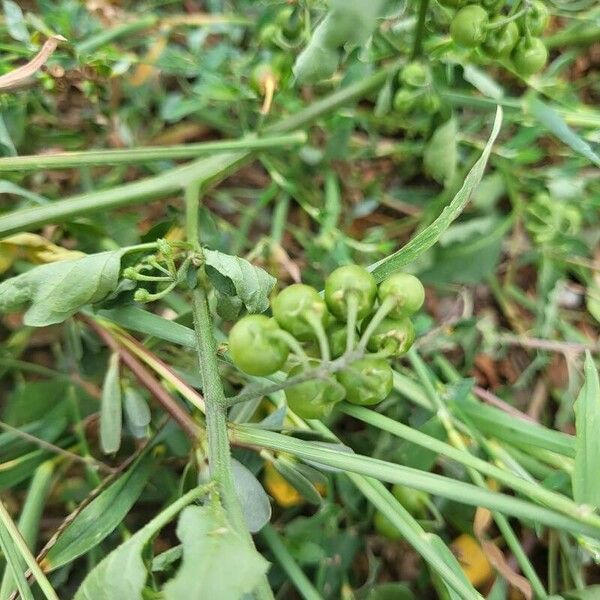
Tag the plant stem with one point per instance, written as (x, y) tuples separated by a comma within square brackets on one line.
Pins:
[(288, 564), (65, 160), (219, 454), (420, 30), (206, 170)]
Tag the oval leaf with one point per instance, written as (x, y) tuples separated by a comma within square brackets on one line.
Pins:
[(233, 276), (111, 414), (217, 562), (255, 502), (58, 290)]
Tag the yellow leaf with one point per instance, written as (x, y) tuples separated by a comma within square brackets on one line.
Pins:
[(472, 559), (284, 494)]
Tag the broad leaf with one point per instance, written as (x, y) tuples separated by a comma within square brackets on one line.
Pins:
[(429, 236), (441, 153), (586, 484), (253, 498), (234, 276), (123, 574), (58, 290), (217, 562), (101, 517)]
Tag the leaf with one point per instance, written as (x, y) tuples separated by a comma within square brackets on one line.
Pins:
[(143, 321), (550, 119), (58, 290), (253, 498), (34, 248), (101, 517), (298, 481), (136, 408), (448, 557), (483, 82), (469, 261), (15, 21), (429, 236), (111, 412), (586, 483), (217, 562), (440, 155), (122, 574), (235, 276)]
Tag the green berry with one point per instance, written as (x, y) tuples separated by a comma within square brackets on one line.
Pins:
[(367, 381), (407, 292), (529, 56), (347, 281), (468, 27), (383, 526), (501, 41), (295, 306), (313, 399), (414, 74), (254, 348), (393, 335)]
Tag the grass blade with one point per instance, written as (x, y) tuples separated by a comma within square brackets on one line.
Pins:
[(429, 236), (586, 484)]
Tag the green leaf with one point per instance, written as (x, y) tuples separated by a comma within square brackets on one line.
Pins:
[(58, 290), (253, 498), (143, 321), (136, 408), (429, 236), (295, 478), (111, 411), (122, 574), (440, 156), (101, 517), (472, 260), (448, 557), (235, 276), (550, 119), (586, 483), (217, 562), (15, 21)]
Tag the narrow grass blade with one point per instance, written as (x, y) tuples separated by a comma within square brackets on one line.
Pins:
[(552, 121), (429, 236), (586, 483), (111, 409), (412, 532), (438, 485), (29, 520)]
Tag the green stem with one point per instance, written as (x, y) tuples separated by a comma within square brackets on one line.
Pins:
[(219, 454), (293, 344), (431, 483), (108, 35), (351, 322), (64, 160), (317, 326), (534, 491), (380, 314), (506, 21), (420, 30), (288, 564), (206, 170)]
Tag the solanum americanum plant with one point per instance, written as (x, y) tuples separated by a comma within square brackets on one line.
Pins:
[(333, 346)]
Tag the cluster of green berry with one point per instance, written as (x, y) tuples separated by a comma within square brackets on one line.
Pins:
[(514, 37), (416, 90), (331, 361)]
